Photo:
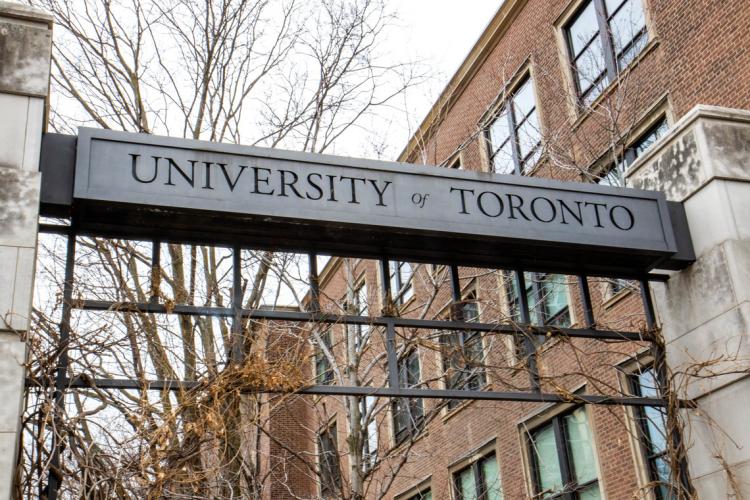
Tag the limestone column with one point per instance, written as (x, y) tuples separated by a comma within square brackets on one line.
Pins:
[(704, 310), (25, 51)]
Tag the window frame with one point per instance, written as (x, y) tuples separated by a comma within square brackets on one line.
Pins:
[(463, 337), (359, 307), (505, 110), (456, 162), (480, 486), (642, 435), (414, 427), (535, 282), (329, 429), (417, 492), (605, 36), (403, 291), (564, 455), (325, 377), (369, 456)]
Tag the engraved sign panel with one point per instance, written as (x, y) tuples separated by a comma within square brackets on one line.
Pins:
[(284, 185)]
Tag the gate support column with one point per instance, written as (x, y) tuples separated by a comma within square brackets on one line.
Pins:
[(25, 52), (704, 309)]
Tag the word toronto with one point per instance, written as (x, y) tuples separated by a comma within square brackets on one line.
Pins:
[(353, 189)]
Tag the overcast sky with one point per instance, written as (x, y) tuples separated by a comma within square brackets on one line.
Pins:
[(440, 33)]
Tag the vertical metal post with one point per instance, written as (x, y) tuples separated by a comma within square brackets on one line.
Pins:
[(662, 379), (63, 361), (528, 342), (314, 282), (155, 271), (390, 328), (236, 347), (456, 310), (588, 310)]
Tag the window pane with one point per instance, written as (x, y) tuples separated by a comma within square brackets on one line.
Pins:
[(583, 29), (523, 101), (466, 484), (580, 446), (555, 295), (662, 472), (529, 136), (370, 446), (614, 176), (612, 5), (656, 425), (470, 311), (548, 466), (630, 53), (627, 24), (491, 476), (590, 493), (595, 91), (648, 140), (499, 131), (590, 66), (502, 162)]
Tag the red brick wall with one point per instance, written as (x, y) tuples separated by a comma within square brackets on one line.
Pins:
[(697, 55)]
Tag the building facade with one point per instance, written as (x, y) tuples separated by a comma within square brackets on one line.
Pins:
[(579, 90)]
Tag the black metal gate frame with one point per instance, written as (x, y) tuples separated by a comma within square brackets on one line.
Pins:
[(314, 314)]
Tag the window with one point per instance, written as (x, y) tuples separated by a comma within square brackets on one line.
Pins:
[(408, 413), (422, 495), (464, 354), (514, 136), (328, 463), (562, 458), (547, 297), (323, 369), (401, 286), (358, 307), (652, 428), (603, 38), (479, 481), (370, 428), (615, 175)]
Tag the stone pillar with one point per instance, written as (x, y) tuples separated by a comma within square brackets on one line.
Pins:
[(704, 310), (25, 51)]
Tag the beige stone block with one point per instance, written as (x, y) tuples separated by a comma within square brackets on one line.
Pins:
[(708, 357), (719, 485), (8, 453), (19, 207), (695, 295), (728, 145), (25, 50), (21, 131), (738, 261), (717, 434), (24, 289), (707, 212), (738, 195), (8, 261), (12, 373), (13, 129), (32, 141)]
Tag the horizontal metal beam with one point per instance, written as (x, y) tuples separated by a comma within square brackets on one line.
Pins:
[(334, 390), (141, 233), (316, 317)]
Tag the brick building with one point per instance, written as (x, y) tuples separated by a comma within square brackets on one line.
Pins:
[(570, 89)]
